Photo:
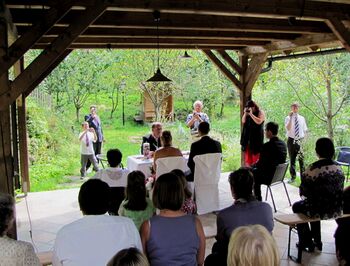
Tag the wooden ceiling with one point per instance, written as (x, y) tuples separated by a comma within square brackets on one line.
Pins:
[(247, 26)]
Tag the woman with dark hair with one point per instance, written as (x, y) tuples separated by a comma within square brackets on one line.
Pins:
[(252, 137), (136, 206), (321, 191), (167, 150), (172, 237), (13, 252)]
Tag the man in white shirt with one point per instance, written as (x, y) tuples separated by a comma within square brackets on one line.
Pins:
[(87, 137), (95, 238), (296, 129)]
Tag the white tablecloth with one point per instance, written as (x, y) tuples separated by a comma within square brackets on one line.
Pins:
[(138, 162)]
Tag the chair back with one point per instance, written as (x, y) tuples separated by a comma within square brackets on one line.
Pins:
[(206, 182), (280, 173), (167, 164), (343, 155)]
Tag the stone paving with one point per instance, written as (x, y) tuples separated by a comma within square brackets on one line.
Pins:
[(49, 211)]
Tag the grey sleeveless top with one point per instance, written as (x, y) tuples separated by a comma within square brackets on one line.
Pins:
[(173, 241)]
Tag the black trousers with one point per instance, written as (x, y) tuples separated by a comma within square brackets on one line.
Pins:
[(260, 178), (97, 149), (294, 151), (307, 236)]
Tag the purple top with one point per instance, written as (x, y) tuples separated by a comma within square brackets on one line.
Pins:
[(173, 241)]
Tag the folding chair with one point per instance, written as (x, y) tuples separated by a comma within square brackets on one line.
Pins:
[(343, 158), (278, 178)]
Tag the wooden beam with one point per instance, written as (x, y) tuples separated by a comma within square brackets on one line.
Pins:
[(255, 66), (47, 71), (165, 33), (211, 56), (243, 96), (48, 56), (153, 40), (230, 61), (29, 38), (339, 29), (267, 8), (301, 43), (144, 20)]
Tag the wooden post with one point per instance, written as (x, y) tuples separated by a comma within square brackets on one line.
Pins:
[(6, 162), (243, 97)]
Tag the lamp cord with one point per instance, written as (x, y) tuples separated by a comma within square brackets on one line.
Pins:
[(158, 40)]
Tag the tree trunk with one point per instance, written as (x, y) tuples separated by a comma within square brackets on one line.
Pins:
[(221, 114), (329, 108), (77, 113)]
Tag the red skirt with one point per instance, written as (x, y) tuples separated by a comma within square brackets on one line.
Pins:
[(250, 158)]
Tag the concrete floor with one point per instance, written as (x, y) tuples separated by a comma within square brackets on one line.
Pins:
[(42, 214)]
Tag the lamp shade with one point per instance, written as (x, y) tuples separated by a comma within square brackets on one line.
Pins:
[(185, 56), (158, 77)]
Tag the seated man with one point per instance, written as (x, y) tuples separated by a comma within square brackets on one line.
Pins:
[(95, 238), (116, 178), (273, 153), (154, 138), (203, 146), (246, 210)]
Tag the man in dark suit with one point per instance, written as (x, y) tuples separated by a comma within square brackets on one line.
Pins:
[(154, 138), (273, 153), (203, 146)]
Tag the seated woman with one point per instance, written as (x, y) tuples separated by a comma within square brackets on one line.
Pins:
[(116, 178), (172, 237), (252, 245), (128, 257), (167, 150), (321, 190), (13, 252), (136, 206), (189, 206)]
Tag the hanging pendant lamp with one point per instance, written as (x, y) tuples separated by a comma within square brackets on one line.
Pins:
[(185, 56), (158, 76)]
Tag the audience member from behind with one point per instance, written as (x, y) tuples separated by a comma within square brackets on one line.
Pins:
[(321, 190), (87, 137), (153, 139), (13, 252), (252, 137), (203, 146), (172, 237), (167, 150), (95, 238), (273, 153), (342, 234), (246, 210), (129, 257), (116, 178), (136, 205), (252, 245), (189, 206)]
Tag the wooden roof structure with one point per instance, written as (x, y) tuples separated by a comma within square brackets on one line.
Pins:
[(255, 29)]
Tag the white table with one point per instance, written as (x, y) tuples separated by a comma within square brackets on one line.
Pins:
[(140, 163)]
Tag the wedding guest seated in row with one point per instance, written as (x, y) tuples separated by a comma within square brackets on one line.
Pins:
[(246, 210), (342, 233), (136, 205), (252, 245), (189, 206), (203, 146), (321, 190), (167, 150), (13, 252), (273, 153), (172, 237), (116, 178), (153, 138), (129, 257), (95, 238)]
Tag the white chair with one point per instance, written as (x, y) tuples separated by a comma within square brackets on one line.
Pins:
[(167, 164), (206, 182)]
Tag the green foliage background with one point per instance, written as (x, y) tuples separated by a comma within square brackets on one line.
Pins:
[(98, 75)]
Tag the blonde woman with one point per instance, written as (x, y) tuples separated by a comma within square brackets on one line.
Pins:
[(252, 245)]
